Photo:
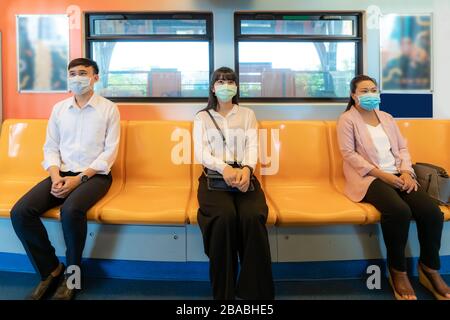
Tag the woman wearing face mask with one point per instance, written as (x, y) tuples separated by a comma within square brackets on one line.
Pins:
[(377, 168), (232, 223)]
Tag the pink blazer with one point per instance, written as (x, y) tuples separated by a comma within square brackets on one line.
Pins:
[(359, 153)]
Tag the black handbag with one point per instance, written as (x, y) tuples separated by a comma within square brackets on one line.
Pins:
[(435, 181), (214, 179)]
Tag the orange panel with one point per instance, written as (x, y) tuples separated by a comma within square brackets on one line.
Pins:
[(39, 105)]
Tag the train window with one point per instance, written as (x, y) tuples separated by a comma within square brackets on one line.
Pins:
[(151, 56), (293, 56)]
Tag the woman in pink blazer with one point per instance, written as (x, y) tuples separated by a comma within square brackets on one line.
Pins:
[(377, 169)]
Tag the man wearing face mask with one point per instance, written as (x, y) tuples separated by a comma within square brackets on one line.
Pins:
[(81, 146)]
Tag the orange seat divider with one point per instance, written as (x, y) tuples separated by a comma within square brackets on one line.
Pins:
[(158, 183), (301, 189)]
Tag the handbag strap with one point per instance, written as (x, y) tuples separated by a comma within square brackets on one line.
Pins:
[(221, 133), (217, 126)]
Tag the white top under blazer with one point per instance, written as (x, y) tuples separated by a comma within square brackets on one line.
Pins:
[(386, 160)]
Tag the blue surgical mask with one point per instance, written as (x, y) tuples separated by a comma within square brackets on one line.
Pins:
[(369, 101), (226, 92), (79, 84)]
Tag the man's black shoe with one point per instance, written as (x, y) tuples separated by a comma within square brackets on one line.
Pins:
[(64, 292), (46, 287)]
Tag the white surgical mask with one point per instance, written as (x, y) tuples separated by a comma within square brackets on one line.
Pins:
[(79, 84)]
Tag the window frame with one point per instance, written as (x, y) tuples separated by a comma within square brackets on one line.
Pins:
[(91, 38), (357, 38)]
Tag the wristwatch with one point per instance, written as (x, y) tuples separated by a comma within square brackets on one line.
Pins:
[(84, 178)]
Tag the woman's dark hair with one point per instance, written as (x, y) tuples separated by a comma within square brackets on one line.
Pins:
[(223, 73), (354, 84)]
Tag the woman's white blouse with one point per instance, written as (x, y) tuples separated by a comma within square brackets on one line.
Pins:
[(240, 129)]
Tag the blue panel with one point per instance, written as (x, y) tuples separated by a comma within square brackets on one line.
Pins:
[(401, 105), (198, 271)]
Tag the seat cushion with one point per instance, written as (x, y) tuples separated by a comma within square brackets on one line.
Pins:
[(139, 204), (313, 205), (10, 192), (373, 215)]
